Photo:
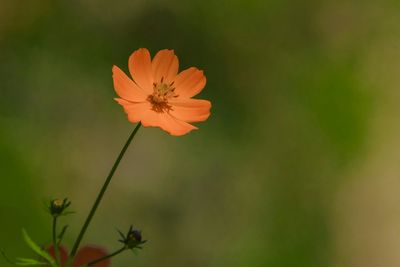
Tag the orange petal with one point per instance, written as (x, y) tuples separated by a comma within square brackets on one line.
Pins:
[(90, 253), (191, 110), (140, 69), (167, 123), (134, 111), (126, 88), (189, 82), (165, 66)]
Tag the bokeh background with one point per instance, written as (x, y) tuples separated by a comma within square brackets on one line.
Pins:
[(297, 166)]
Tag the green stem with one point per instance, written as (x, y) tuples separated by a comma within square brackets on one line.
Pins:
[(101, 193), (55, 243), (107, 257)]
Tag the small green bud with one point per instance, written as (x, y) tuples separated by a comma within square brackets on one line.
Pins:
[(133, 239), (58, 206), (135, 236)]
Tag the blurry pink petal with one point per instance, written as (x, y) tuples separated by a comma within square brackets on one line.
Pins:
[(85, 255), (126, 88), (140, 69), (189, 82), (90, 253)]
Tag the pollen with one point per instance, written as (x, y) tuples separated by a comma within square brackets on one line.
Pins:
[(58, 203), (161, 93)]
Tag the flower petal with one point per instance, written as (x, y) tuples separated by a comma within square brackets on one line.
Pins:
[(189, 82), (165, 66), (166, 122), (191, 110), (140, 69), (126, 88), (90, 253), (134, 111)]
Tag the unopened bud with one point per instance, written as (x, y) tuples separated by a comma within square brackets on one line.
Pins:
[(133, 239), (58, 206)]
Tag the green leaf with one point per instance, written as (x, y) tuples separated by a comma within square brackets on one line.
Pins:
[(28, 262), (22, 261), (37, 249)]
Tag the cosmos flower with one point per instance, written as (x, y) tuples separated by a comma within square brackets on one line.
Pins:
[(85, 255), (159, 96)]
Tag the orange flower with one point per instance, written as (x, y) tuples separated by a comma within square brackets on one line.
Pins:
[(158, 96)]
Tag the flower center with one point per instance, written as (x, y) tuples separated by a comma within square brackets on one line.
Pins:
[(161, 93)]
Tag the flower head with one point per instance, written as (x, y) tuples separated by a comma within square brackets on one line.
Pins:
[(159, 96)]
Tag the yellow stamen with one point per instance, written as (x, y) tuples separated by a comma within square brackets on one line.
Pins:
[(161, 93)]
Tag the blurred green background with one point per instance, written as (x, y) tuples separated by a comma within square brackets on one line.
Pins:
[(297, 166)]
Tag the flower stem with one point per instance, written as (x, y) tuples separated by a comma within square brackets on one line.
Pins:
[(101, 194), (107, 257), (55, 243)]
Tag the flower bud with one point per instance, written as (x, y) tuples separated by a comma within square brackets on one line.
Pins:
[(133, 239), (58, 206), (135, 235)]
